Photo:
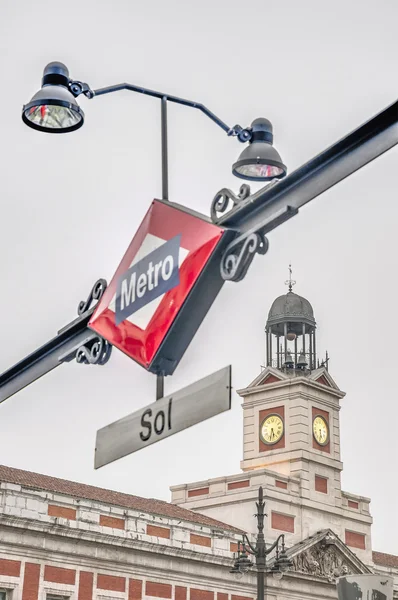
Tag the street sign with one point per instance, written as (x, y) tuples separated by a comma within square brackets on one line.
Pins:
[(363, 587), (164, 286), (191, 405)]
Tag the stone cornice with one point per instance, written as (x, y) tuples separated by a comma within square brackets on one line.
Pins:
[(297, 381), (134, 544), (287, 397)]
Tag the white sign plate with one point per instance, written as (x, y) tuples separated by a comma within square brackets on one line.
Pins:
[(197, 402)]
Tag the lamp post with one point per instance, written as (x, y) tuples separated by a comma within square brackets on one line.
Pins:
[(54, 109), (242, 563)]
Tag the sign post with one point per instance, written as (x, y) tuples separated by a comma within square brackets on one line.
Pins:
[(165, 417)]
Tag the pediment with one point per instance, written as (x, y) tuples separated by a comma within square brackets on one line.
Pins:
[(267, 376), (324, 555), (323, 377)]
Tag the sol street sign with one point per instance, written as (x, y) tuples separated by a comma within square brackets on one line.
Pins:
[(163, 288), (189, 406)]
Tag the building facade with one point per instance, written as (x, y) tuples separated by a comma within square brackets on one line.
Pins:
[(61, 540)]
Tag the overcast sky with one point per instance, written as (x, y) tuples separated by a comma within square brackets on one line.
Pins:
[(71, 204)]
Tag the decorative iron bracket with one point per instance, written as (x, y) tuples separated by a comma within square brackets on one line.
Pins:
[(221, 200), (239, 254), (74, 341), (95, 350)]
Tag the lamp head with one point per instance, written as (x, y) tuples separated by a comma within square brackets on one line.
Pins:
[(260, 161), (53, 108), (283, 562)]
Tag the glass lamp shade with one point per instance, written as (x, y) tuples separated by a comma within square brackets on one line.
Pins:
[(259, 162), (53, 110), (277, 574)]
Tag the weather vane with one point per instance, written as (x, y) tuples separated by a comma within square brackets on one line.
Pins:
[(290, 282)]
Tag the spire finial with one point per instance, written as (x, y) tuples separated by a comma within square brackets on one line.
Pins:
[(290, 282)]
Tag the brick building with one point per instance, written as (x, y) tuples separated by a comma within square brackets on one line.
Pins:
[(61, 540)]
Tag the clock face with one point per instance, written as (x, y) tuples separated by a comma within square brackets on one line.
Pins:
[(271, 429), (320, 430)]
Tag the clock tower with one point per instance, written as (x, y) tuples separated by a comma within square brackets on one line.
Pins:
[(291, 444), (291, 410)]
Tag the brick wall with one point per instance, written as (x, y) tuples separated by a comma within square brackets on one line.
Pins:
[(282, 522), (86, 580), (59, 575), (281, 484), (235, 485), (321, 484), (200, 540), (61, 511), (158, 590), (30, 590), (114, 522), (180, 593), (198, 492), (196, 594), (135, 589), (355, 540), (112, 583), (12, 568), (162, 532)]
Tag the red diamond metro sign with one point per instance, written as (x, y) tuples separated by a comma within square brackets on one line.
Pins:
[(163, 288)]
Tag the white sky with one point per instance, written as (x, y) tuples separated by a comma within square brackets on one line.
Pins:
[(71, 204)]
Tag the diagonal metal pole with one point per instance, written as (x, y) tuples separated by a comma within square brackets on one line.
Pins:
[(165, 196)]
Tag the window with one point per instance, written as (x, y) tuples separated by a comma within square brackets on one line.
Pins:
[(3, 595), (55, 597)]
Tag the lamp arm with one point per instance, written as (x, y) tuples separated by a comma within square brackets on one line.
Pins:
[(275, 544), (77, 88), (251, 549)]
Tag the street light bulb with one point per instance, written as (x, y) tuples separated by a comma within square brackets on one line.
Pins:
[(49, 116), (259, 171), (277, 575), (291, 336), (239, 575)]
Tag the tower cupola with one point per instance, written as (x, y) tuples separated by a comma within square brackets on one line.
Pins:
[(290, 332)]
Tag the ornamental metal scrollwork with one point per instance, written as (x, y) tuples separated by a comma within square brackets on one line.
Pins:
[(97, 291), (95, 352), (222, 199), (239, 254)]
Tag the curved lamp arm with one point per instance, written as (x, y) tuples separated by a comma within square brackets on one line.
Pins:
[(251, 549), (275, 544), (78, 87)]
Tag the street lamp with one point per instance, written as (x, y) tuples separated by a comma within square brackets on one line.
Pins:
[(54, 109), (242, 563), (260, 161)]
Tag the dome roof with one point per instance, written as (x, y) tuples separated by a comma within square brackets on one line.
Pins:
[(291, 307)]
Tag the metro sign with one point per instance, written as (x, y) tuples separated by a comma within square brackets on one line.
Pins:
[(163, 288)]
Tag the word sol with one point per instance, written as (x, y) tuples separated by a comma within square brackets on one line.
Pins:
[(155, 423)]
